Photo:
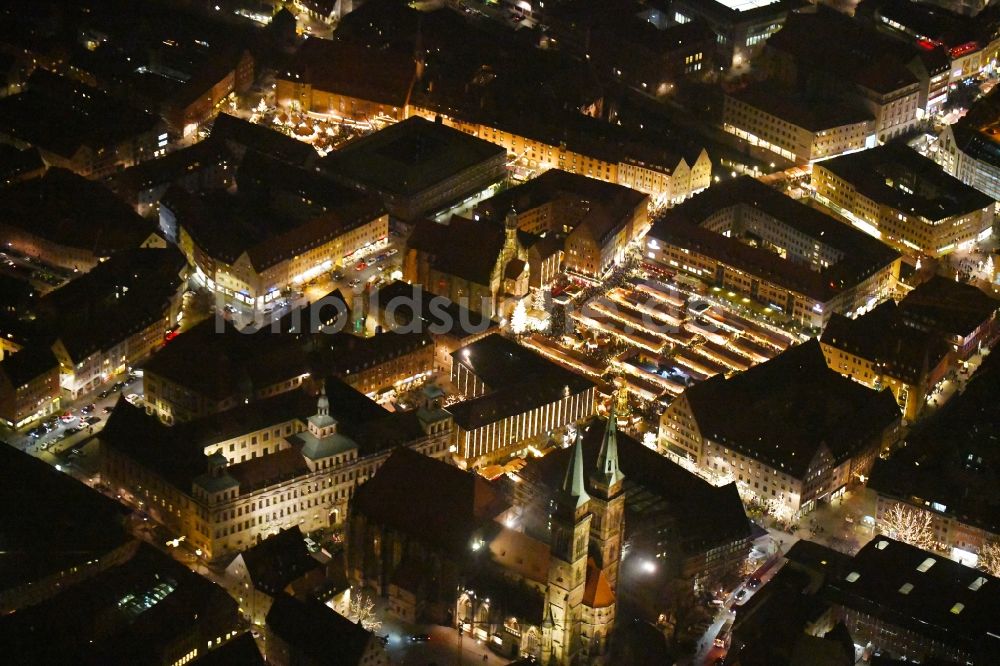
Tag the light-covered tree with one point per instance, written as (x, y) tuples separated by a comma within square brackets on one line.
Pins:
[(362, 609), (519, 319), (908, 525), (989, 558)]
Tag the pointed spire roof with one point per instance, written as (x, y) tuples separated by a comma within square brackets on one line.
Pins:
[(607, 470), (323, 404), (573, 485)]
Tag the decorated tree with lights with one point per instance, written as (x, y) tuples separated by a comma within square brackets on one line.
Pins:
[(989, 558), (362, 609), (908, 525), (519, 319)]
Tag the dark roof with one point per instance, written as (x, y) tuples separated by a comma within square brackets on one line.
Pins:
[(14, 163), (780, 412), (117, 298), (832, 42), (517, 380), (880, 174), (241, 650), (804, 113), (28, 364), (952, 458), (883, 337), (314, 632), (861, 256), (410, 157), (949, 307), (72, 211), (172, 166), (978, 143), (262, 224), (278, 560), (947, 601), (262, 139), (453, 504), (462, 247), (49, 522), (603, 207), (138, 612), (705, 515), (446, 317), (61, 115)]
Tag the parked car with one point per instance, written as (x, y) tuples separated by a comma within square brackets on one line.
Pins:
[(420, 638), (91, 420), (88, 409)]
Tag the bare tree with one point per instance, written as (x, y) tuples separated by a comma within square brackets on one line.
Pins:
[(909, 525), (362, 609), (989, 557)]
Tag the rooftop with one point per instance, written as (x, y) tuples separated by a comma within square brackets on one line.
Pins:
[(952, 459), (517, 380), (949, 307), (882, 336), (137, 612), (64, 208), (313, 630), (261, 139), (926, 593), (455, 505), (859, 255), (446, 317), (897, 176), (808, 114), (409, 157), (49, 522), (28, 364), (278, 560), (789, 407), (462, 247)]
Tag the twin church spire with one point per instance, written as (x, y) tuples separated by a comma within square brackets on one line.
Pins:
[(606, 476)]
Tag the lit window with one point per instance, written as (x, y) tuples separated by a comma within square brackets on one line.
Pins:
[(926, 564), (853, 576), (957, 608), (906, 588)]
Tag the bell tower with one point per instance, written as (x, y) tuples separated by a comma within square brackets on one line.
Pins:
[(570, 528), (607, 502)]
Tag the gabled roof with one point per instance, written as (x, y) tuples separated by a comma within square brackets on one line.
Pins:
[(953, 308), (278, 560), (28, 364), (781, 412), (463, 248), (430, 500), (314, 631), (262, 139)]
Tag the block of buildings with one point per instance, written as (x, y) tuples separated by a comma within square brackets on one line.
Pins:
[(58, 531), (308, 632), (148, 609), (70, 222), (240, 136), (689, 527), (745, 236), (204, 370), (947, 468), (898, 195), (417, 166), (834, 57), (475, 84), (29, 386), (881, 350), (901, 602), (278, 565), (79, 128), (404, 307), (203, 166), (741, 26), (227, 480), (275, 232), (483, 266), (790, 431), (797, 129), (17, 165), (514, 397), (597, 220), (105, 322), (964, 315), (970, 149), (551, 597)]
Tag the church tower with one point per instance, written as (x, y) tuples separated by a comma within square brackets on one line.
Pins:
[(607, 502), (570, 528)]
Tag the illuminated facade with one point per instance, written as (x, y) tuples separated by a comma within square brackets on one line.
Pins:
[(279, 470), (906, 199)]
